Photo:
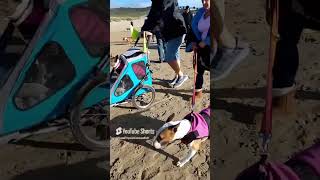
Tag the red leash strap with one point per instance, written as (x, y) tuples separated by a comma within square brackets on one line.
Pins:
[(195, 59), (266, 125)]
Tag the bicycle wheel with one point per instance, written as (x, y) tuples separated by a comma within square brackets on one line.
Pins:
[(88, 120), (143, 97)]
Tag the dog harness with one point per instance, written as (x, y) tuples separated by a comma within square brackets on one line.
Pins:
[(200, 124)]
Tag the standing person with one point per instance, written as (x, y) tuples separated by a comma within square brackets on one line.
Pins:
[(187, 16), (166, 15), (294, 17), (148, 38), (201, 43), (231, 51), (161, 45)]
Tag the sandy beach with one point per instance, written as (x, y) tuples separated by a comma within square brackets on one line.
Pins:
[(238, 103), (136, 159), (238, 100)]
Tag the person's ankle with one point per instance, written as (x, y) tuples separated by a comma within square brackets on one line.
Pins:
[(283, 90), (180, 74), (198, 93)]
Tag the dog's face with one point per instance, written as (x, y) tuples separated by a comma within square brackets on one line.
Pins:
[(167, 134)]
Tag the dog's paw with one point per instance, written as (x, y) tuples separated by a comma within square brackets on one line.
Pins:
[(180, 164)]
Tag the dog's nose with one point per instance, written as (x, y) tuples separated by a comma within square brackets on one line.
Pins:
[(157, 145)]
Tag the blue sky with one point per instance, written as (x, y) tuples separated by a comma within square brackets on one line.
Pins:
[(145, 3)]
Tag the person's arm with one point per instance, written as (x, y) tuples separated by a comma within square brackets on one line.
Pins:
[(208, 39), (153, 17), (194, 26)]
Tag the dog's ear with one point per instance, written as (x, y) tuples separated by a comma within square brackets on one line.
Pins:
[(175, 128), (170, 118)]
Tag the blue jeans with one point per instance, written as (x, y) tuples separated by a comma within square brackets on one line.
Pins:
[(172, 51), (161, 46)]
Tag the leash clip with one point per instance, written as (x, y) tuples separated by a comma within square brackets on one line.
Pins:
[(265, 141), (264, 147)]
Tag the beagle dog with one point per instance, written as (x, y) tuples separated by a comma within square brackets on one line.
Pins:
[(192, 130)]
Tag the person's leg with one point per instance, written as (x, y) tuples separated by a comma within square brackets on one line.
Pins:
[(223, 36), (160, 49), (148, 40), (286, 59), (138, 39), (199, 79), (231, 51), (287, 56), (172, 56)]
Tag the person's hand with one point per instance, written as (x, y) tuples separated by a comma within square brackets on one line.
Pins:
[(194, 47), (202, 44)]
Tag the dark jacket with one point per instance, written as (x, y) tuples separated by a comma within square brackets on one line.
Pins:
[(308, 9), (187, 19), (165, 14)]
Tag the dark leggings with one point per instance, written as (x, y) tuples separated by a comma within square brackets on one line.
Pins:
[(203, 56), (286, 63)]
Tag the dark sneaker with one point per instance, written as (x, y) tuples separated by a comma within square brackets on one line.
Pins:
[(180, 81), (226, 59)]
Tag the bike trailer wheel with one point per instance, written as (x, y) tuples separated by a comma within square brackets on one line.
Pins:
[(143, 97), (95, 117)]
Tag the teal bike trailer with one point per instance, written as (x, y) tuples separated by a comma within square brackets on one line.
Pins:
[(131, 80), (62, 73)]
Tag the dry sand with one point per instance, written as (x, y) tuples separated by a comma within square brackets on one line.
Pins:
[(123, 25), (239, 98), (136, 159), (238, 105)]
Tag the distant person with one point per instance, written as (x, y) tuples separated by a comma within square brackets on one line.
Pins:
[(201, 43), (148, 35), (231, 51), (187, 16), (166, 15)]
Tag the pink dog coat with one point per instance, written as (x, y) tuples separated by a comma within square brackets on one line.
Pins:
[(309, 158), (200, 124)]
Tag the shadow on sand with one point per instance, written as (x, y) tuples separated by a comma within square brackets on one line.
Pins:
[(80, 171), (137, 121), (246, 113)]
